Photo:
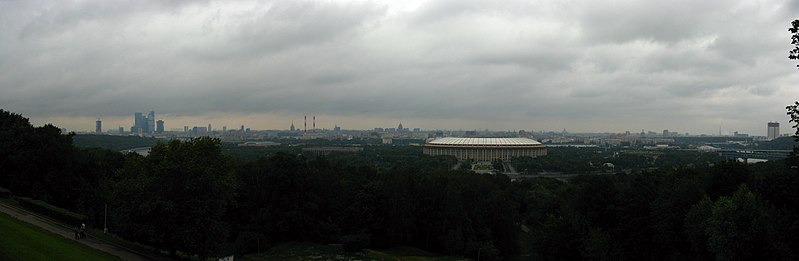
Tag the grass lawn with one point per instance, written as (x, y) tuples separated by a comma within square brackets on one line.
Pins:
[(23, 241), (310, 251)]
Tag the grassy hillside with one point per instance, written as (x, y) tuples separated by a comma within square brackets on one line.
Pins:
[(311, 251), (22, 241)]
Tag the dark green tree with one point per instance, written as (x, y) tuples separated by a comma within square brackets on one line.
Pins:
[(37, 161), (696, 224), (793, 54), (793, 109), (176, 197), (742, 227)]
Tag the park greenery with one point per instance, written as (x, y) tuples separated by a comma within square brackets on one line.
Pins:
[(204, 198), (191, 197)]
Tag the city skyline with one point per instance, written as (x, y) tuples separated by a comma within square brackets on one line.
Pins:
[(507, 65), (160, 125)]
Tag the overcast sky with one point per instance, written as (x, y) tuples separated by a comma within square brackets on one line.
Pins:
[(683, 65)]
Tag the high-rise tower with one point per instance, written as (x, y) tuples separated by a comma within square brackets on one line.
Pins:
[(773, 130), (151, 122), (139, 123), (159, 126), (98, 126)]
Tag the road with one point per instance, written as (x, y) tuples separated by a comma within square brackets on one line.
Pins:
[(67, 232)]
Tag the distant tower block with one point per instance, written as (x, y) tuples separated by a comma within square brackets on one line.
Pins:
[(151, 122), (159, 126), (314, 124), (98, 126), (773, 130), (305, 125)]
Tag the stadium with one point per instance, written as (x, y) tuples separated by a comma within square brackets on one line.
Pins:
[(485, 149)]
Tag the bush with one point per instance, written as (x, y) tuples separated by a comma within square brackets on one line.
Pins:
[(355, 242), (57, 213), (5, 193)]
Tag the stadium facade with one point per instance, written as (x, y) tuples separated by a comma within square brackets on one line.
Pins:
[(485, 149)]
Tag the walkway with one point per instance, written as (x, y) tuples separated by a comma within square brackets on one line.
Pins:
[(66, 232)]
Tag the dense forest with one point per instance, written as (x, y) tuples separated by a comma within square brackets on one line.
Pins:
[(191, 197)]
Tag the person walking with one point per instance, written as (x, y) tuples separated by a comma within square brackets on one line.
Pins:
[(83, 230)]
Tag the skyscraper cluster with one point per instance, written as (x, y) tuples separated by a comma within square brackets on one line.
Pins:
[(146, 124)]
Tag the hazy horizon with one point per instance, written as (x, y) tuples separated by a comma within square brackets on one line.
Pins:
[(583, 66)]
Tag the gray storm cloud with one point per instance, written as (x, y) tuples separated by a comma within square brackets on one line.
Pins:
[(583, 65)]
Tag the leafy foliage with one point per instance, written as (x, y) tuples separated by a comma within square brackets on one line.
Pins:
[(175, 197), (793, 54), (189, 196), (113, 142)]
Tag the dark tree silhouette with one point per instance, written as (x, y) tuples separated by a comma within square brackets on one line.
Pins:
[(793, 109)]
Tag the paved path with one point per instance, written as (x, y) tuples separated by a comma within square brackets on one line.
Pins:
[(67, 232)]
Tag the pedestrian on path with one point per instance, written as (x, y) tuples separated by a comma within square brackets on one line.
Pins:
[(83, 230)]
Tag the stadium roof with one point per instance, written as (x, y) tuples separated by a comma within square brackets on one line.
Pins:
[(484, 141)]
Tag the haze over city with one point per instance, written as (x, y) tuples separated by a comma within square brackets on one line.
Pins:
[(686, 66)]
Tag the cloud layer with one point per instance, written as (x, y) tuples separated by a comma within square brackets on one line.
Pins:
[(686, 66)]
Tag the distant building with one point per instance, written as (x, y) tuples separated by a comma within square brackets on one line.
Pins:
[(121, 130), (151, 122), (773, 130), (143, 124), (292, 126), (98, 126), (199, 130), (259, 144), (159, 126), (139, 122), (328, 150), (665, 133), (485, 149)]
